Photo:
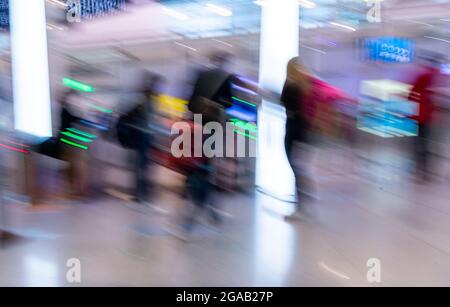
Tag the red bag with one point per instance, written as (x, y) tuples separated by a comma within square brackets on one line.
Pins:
[(187, 164)]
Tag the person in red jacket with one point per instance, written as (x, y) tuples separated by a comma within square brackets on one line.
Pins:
[(422, 94)]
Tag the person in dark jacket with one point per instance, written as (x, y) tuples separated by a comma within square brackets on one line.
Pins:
[(67, 118), (140, 120), (210, 96), (294, 98), (213, 83)]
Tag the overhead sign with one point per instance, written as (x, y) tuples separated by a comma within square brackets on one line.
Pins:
[(76, 10), (390, 49), (85, 9), (4, 15)]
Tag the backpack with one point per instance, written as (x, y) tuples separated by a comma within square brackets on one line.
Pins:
[(214, 85), (125, 133)]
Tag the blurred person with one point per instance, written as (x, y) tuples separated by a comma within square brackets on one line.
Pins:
[(199, 171), (75, 172), (212, 87), (422, 94), (295, 98), (51, 147), (210, 96), (134, 130), (67, 118), (213, 83)]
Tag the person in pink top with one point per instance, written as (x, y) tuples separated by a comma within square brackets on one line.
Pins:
[(422, 94)]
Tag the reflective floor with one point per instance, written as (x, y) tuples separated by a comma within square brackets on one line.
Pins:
[(380, 212)]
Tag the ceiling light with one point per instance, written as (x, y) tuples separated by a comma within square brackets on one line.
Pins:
[(222, 42), (219, 10), (438, 39), (53, 26), (185, 46), (342, 26), (175, 13), (57, 2), (303, 3), (307, 4)]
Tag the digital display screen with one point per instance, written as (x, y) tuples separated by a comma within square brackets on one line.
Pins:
[(389, 49)]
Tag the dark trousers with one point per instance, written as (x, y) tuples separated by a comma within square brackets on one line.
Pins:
[(297, 134), (200, 188), (141, 170), (422, 148)]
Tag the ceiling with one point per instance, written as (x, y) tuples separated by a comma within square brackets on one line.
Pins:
[(144, 24), (192, 18)]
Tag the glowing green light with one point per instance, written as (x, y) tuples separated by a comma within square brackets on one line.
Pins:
[(77, 137), (245, 134), (77, 85), (243, 101), (104, 110), (81, 133), (73, 144), (244, 125)]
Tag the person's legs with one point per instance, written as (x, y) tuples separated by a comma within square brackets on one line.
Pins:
[(141, 175), (70, 171), (422, 150), (80, 169), (289, 142), (425, 159), (303, 158), (298, 151), (193, 209), (197, 194)]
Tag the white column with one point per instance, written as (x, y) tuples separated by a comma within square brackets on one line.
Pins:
[(279, 43), (30, 72)]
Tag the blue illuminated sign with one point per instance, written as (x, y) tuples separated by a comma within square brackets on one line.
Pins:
[(4, 15), (390, 49), (87, 9), (93, 8)]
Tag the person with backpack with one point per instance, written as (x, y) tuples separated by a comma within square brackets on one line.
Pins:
[(210, 97), (213, 83), (134, 132)]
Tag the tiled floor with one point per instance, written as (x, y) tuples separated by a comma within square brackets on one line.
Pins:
[(371, 212)]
